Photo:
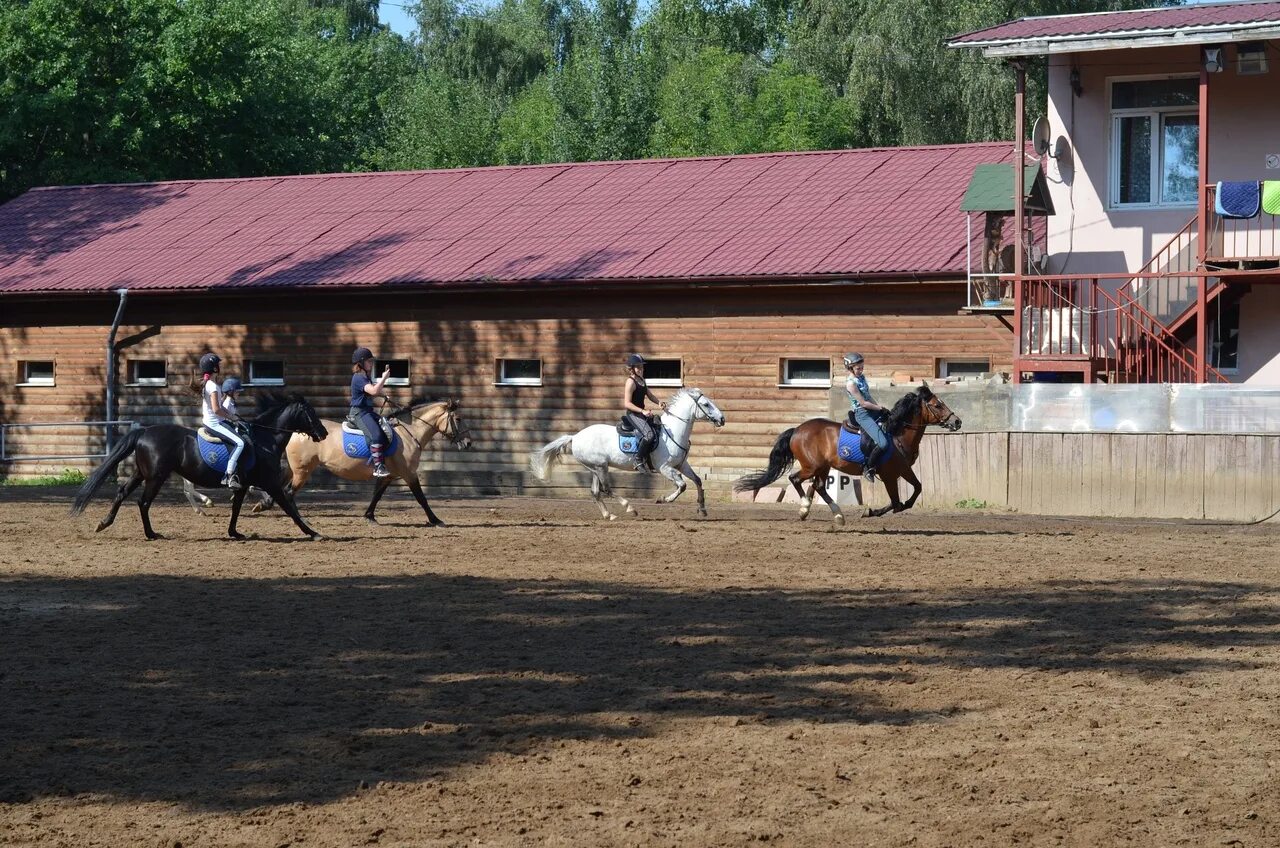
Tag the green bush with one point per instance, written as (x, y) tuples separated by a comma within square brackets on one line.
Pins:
[(972, 503), (68, 477)]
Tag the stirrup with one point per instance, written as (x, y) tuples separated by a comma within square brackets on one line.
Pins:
[(232, 481), (380, 470)]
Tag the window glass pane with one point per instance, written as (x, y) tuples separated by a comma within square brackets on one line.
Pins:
[(665, 370), (1135, 159), (808, 371), (266, 371), (1181, 171), (38, 372), (148, 369), (521, 370), (1154, 94), (399, 371), (962, 367)]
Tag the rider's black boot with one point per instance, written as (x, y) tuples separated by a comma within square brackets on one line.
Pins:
[(873, 462)]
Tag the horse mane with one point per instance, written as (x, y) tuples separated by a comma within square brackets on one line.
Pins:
[(905, 410), (271, 402), (679, 393), (419, 401)]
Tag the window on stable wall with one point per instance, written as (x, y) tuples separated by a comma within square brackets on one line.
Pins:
[(266, 372), (815, 373), (147, 372), (399, 375), (519, 372), (1155, 142), (963, 368), (35, 373), (664, 372)]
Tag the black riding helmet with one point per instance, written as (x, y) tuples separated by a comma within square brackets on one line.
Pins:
[(209, 363), (635, 359), (360, 355)]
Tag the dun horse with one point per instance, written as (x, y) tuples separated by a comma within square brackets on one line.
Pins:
[(814, 445), (164, 449), (415, 425)]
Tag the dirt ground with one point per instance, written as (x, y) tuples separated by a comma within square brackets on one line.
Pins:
[(531, 675)]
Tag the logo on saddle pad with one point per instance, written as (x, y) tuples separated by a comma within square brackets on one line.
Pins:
[(216, 455), (851, 448), (356, 446), (630, 445)]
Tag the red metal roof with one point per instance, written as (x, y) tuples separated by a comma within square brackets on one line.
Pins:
[(768, 216), (1137, 21)]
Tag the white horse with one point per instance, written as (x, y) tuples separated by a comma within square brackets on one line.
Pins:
[(596, 447)]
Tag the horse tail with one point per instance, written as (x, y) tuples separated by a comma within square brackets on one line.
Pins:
[(541, 460), (123, 448), (780, 459)]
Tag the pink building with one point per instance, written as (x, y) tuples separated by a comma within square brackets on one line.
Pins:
[(1148, 111)]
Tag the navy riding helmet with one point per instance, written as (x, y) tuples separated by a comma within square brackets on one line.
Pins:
[(360, 355), (231, 384), (209, 363), (635, 359), (852, 359)]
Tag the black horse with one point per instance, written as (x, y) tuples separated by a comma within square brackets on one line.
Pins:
[(167, 448)]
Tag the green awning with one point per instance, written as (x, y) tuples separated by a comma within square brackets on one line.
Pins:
[(991, 190)]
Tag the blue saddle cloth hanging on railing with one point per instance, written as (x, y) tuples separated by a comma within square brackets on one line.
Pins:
[(1238, 199), (216, 455), (356, 446), (850, 449)]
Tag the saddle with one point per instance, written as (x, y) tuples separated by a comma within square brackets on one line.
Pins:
[(348, 427), (626, 428), (212, 437)]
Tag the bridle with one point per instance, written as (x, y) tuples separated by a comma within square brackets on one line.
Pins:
[(450, 432), (697, 407)]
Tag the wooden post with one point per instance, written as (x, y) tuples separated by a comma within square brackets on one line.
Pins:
[(1019, 129), (1202, 302)]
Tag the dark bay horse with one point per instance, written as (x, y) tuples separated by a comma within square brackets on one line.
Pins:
[(813, 446), (164, 449)]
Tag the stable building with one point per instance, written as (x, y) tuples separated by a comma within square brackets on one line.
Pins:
[(518, 290)]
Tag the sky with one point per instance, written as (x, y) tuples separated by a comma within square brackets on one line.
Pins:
[(396, 16)]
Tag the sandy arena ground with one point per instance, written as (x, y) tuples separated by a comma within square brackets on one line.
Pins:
[(533, 676)]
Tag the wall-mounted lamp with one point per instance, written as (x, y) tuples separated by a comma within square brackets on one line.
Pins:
[(1074, 79), (1213, 60)]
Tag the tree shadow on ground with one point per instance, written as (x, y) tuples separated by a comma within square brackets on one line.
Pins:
[(231, 693)]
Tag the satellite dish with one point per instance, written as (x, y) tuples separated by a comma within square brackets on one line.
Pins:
[(1040, 136)]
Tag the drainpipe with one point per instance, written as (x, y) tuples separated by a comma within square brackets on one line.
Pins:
[(111, 370)]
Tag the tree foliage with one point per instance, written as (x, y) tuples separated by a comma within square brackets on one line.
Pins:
[(99, 90)]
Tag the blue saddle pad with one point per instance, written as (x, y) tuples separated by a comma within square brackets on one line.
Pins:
[(356, 446), (630, 445), (1238, 199), (850, 448), (216, 455)]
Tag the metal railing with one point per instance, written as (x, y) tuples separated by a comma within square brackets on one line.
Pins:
[(6, 440), (1240, 239)]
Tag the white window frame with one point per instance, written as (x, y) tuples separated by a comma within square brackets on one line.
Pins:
[(28, 380), (666, 382), (945, 363), (408, 369), (500, 372), (134, 380), (1157, 116), (785, 383), (264, 381)]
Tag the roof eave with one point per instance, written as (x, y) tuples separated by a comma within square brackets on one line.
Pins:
[(1017, 48)]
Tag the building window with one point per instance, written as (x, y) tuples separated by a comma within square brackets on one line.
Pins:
[(35, 373), (664, 372), (147, 372), (266, 372), (812, 373), (399, 375), (1155, 142), (519, 372), (963, 368)]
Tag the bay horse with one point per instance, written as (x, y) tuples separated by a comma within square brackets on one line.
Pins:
[(165, 449), (813, 444), (415, 424), (596, 447)]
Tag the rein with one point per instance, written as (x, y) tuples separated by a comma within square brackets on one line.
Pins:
[(451, 424), (689, 421)]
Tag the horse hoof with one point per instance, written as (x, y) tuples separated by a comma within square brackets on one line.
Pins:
[(702, 512), (236, 537), (437, 523), (804, 513), (154, 537), (613, 517), (102, 525), (316, 537), (839, 519), (371, 520)]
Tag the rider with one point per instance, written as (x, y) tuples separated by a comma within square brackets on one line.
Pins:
[(634, 395), (363, 391), (230, 388), (216, 418), (865, 411)]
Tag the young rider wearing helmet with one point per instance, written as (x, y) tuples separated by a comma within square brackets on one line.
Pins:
[(865, 411), (363, 390), (634, 395), (216, 418)]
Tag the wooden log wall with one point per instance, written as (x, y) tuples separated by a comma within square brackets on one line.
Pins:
[(731, 342)]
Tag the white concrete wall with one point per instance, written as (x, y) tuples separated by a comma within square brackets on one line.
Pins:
[(1259, 355)]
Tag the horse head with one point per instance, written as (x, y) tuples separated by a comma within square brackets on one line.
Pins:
[(451, 427), (704, 408), (935, 411)]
